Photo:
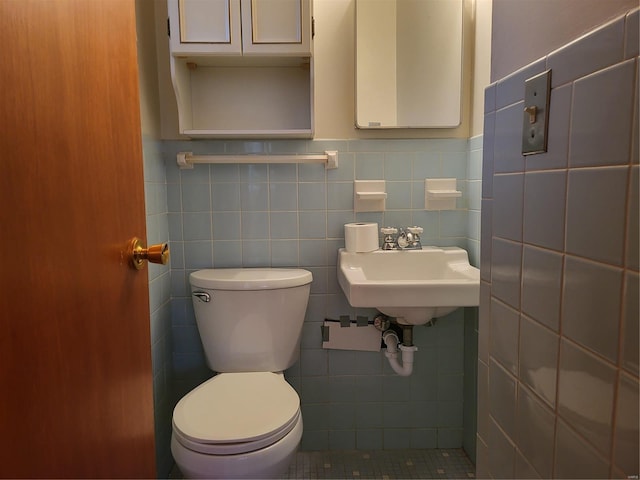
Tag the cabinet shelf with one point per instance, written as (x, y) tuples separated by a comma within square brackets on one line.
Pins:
[(299, 133)]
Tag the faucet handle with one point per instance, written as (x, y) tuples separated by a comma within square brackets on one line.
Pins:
[(389, 242), (415, 230)]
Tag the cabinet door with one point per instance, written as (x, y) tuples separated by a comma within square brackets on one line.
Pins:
[(205, 26), (276, 26)]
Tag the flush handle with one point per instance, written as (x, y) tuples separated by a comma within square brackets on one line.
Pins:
[(139, 254), (202, 296)]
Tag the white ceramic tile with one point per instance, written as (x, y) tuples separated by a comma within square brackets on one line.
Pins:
[(575, 458), (484, 321), (585, 394), (536, 428), (630, 316), (591, 305), (558, 134), (510, 89), (631, 36), (596, 50), (541, 285), (633, 217), (505, 271), (501, 453), (626, 433), (602, 113), (505, 323), (507, 149), (502, 398), (507, 207), (544, 204), (538, 360), (486, 225), (487, 154), (596, 213)]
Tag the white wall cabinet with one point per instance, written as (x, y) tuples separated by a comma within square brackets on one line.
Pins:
[(242, 68)]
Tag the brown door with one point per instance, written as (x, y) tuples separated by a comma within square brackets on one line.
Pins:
[(75, 359)]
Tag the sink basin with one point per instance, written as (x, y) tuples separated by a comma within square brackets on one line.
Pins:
[(414, 286)]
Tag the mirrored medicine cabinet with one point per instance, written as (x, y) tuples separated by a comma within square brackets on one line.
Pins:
[(408, 63)]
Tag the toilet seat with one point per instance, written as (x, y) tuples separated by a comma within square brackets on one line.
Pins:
[(235, 413)]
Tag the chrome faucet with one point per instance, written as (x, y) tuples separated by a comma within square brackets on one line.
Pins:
[(409, 238), (389, 240)]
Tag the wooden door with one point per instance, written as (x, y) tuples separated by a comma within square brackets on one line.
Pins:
[(75, 359)]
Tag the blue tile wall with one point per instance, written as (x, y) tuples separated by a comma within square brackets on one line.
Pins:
[(155, 188), (575, 213), (292, 216)]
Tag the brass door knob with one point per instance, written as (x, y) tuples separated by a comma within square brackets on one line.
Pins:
[(138, 253)]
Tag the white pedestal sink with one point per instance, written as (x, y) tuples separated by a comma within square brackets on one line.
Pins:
[(414, 286)]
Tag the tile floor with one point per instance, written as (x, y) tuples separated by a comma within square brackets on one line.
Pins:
[(379, 464)]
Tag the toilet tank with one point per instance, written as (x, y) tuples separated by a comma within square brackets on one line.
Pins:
[(250, 319)]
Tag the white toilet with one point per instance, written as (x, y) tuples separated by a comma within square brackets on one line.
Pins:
[(245, 422)]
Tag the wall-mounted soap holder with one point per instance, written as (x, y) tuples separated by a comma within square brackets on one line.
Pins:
[(440, 194), (369, 195)]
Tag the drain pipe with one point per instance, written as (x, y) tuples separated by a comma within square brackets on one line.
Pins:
[(390, 339)]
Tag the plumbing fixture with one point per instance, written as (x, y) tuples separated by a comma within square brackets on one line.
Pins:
[(390, 339), (409, 238), (407, 335), (382, 322), (389, 241), (202, 296)]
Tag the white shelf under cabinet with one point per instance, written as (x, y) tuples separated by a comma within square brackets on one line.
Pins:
[(258, 100), (249, 133)]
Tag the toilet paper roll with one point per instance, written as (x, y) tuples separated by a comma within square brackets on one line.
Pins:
[(361, 237)]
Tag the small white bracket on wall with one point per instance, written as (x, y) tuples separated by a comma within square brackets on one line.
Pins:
[(440, 194), (369, 195), (329, 158)]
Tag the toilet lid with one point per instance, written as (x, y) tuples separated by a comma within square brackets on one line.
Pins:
[(250, 278), (237, 408)]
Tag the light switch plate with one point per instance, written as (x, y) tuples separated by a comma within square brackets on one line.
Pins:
[(535, 122)]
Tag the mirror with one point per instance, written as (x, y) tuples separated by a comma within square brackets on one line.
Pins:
[(408, 63)]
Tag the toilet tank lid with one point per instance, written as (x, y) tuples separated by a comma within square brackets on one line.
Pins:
[(250, 278)]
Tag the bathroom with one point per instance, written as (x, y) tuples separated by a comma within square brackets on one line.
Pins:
[(351, 400), (216, 216)]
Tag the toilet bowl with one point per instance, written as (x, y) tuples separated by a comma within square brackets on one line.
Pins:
[(237, 425), (245, 422)]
